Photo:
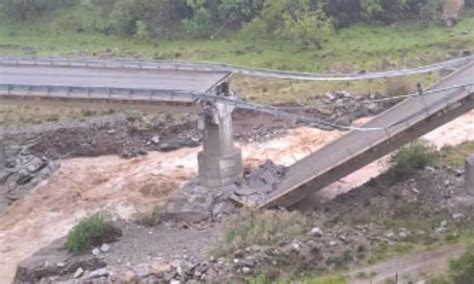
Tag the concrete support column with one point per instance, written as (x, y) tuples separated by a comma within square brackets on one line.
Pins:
[(469, 175), (220, 162)]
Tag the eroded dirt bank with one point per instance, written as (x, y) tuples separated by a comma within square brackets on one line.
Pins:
[(84, 185)]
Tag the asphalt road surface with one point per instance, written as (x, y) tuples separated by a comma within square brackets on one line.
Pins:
[(193, 81)]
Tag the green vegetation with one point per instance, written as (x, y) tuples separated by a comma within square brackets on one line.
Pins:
[(461, 270), (252, 227), (410, 158), (331, 279), (91, 231), (455, 156), (167, 18)]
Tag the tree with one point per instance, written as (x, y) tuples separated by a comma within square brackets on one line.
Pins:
[(309, 27), (160, 16), (199, 26), (254, 30), (22, 10), (236, 12)]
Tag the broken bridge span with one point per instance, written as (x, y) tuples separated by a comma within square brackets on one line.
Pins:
[(151, 88)]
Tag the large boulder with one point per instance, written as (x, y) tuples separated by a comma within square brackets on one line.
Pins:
[(452, 11)]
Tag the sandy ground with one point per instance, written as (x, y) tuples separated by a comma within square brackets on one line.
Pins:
[(85, 185)]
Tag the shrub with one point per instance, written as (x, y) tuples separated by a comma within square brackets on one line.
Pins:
[(410, 158), (200, 26), (431, 12), (91, 231), (398, 86), (149, 218), (309, 28), (259, 228)]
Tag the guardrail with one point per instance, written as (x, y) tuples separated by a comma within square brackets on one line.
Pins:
[(177, 96), (98, 92), (178, 65)]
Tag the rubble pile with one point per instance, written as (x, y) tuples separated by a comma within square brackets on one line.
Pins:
[(21, 174), (195, 203)]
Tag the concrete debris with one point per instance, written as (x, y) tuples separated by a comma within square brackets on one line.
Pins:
[(105, 248), (257, 184), (195, 203), (101, 272), (96, 252), (316, 232), (79, 272)]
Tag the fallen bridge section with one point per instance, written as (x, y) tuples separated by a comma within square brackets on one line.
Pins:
[(405, 122)]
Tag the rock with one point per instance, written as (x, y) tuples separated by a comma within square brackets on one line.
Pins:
[(444, 224), (374, 108), (458, 216), (60, 264), (403, 235), (223, 208), (111, 131), (343, 121), (332, 243), (105, 248), (330, 96), (24, 177), (447, 183), (441, 231), (246, 270), (79, 272), (174, 281), (155, 139), (390, 235), (459, 172), (316, 232), (96, 251), (101, 272), (249, 262), (296, 246)]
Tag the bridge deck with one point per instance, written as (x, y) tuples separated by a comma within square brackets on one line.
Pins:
[(357, 149), (164, 80)]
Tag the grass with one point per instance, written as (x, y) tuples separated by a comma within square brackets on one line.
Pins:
[(455, 156), (253, 227), (461, 269), (330, 279), (409, 159), (92, 231), (29, 115), (351, 49)]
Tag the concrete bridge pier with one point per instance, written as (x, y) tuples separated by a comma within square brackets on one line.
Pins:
[(469, 175), (220, 162)]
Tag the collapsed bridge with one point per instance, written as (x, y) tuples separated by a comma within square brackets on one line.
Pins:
[(179, 86)]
